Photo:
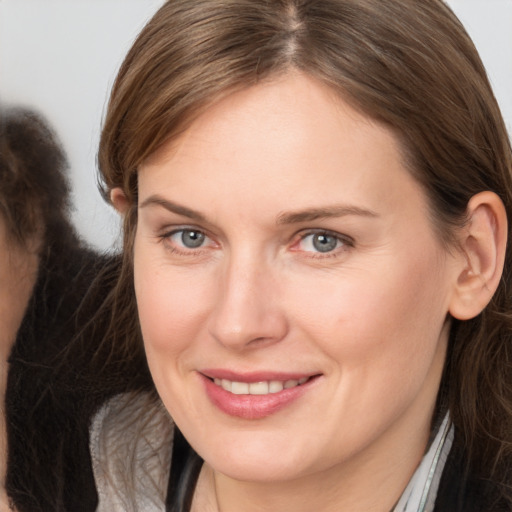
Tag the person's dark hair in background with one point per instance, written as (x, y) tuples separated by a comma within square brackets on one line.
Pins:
[(53, 384), (35, 193)]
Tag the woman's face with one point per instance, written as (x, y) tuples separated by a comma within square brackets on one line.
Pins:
[(292, 294), (18, 270)]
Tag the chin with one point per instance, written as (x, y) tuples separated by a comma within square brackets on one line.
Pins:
[(257, 463), (256, 472)]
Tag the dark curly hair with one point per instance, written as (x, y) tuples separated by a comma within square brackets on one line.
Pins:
[(34, 192)]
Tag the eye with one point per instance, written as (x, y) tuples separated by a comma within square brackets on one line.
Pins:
[(187, 239), (321, 242)]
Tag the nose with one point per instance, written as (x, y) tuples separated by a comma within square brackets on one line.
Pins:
[(248, 312)]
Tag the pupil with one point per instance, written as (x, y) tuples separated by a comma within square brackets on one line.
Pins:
[(192, 239), (324, 243)]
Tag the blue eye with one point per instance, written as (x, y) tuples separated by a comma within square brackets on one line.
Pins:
[(320, 242), (324, 243), (188, 238)]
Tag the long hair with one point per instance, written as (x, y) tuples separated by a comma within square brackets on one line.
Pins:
[(407, 64)]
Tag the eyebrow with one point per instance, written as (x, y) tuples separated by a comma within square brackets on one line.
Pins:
[(283, 218), (323, 213), (157, 200)]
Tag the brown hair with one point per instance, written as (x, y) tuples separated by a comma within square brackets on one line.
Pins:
[(405, 63)]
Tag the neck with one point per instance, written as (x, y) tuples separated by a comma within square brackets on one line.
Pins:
[(3, 435), (331, 491), (7, 335)]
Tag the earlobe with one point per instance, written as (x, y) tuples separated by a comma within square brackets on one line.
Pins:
[(119, 200), (482, 245)]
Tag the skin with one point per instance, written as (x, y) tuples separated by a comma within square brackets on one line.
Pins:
[(18, 271), (370, 318)]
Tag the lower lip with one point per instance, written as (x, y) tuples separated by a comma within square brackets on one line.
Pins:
[(253, 407)]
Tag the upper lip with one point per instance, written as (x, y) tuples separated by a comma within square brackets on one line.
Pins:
[(254, 376)]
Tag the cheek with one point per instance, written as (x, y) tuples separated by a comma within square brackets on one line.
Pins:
[(170, 313), (170, 304), (18, 273), (383, 316), (383, 334)]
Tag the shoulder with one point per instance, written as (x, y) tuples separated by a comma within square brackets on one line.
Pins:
[(131, 444)]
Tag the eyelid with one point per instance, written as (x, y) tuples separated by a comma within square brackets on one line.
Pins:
[(167, 233), (347, 241), (171, 229)]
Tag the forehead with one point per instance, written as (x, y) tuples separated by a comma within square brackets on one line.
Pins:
[(293, 97), (292, 138)]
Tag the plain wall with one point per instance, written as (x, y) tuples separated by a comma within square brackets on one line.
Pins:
[(61, 56)]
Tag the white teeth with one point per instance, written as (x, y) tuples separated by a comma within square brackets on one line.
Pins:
[(258, 388), (240, 388), (275, 386)]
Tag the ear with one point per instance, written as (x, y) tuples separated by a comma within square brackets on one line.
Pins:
[(482, 244), (119, 200)]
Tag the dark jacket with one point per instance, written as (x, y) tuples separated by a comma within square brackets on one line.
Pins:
[(460, 490)]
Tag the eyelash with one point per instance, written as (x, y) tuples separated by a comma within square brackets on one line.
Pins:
[(166, 239), (343, 242)]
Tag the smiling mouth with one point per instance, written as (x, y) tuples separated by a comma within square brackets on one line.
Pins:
[(258, 388), (255, 396)]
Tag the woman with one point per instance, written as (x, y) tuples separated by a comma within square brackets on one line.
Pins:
[(315, 198), (50, 385)]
